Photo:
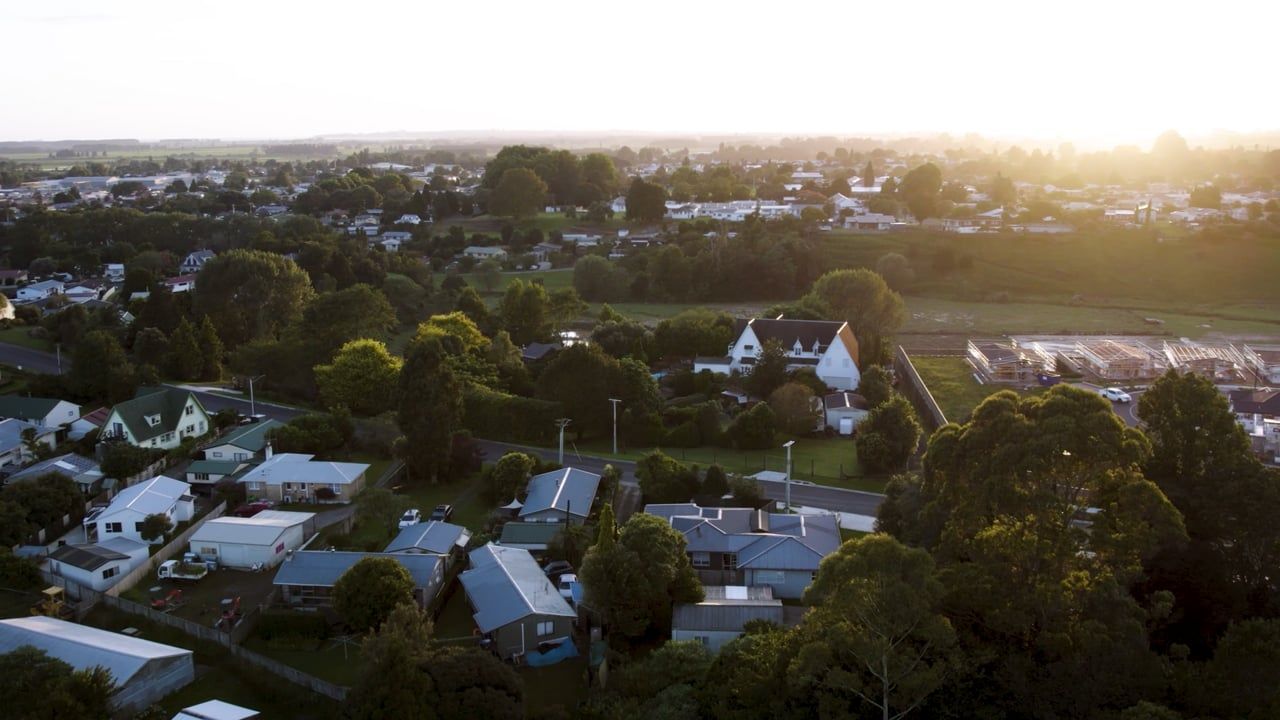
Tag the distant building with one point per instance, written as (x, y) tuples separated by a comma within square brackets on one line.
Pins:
[(98, 566), (1265, 360), (829, 348), (40, 290), (50, 412), (1117, 360), (194, 262), (484, 252), (83, 471), (1005, 361)]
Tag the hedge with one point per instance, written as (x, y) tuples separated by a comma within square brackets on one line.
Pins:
[(496, 415)]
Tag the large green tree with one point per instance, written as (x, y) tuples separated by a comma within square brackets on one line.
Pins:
[(335, 318), (861, 298), (519, 194), (251, 294), (362, 378), (920, 188), (430, 409), (100, 370), (370, 590), (525, 310), (888, 436), (39, 687), (646, 201)]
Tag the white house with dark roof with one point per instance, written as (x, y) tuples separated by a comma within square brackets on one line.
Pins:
[(827, 347), (516, 606), (157, 418), (144, 671), (242, 444), (742, 546), (98, 566), (49, 412), (563, 495), (130, 507), (194, 262)]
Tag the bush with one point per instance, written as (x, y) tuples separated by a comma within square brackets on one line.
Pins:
[(499, 416), (292, 630), (684, 435), (753, 429)]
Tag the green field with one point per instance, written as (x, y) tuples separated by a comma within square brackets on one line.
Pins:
[(950, 380), (247, 153), (20, 335)]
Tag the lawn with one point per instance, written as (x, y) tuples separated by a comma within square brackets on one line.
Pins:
[(20, 335), (950, 380), (468, 510), (337, 659)]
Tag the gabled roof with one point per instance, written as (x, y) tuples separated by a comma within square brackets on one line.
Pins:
[(320, 568), (1261, 402), (807, 332), (252, 437), (836, 401), (568, 490), (762, 540), (75, 467), (86, 557), (84, 647), (256, 530), (11, 432), (215, 467), (297, 467), (433, 536), (505, 585), (156, 495), (163, 401), (26, 408)]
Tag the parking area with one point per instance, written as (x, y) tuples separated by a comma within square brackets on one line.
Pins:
[(201, 601)]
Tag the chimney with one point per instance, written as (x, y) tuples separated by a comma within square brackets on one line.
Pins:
[(266, 452)]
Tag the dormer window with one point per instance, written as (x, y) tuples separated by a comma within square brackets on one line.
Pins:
[(153, 420), (797, 348)]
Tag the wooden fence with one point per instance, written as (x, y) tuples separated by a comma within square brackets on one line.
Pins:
[(173, 547), (914, 388)]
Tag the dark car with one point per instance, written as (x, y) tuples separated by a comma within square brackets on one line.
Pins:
[(557, 568), (251, 509), (442, 513)]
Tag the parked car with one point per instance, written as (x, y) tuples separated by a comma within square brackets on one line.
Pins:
[(565, 586), (442, 513), (1115, 394), (410, 517), (251, 509), (557, 568)]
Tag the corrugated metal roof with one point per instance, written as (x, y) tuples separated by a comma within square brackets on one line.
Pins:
[(75, 467), (256, 530), (505, 585), (86, 557), (300, 468), (156, 495), (84, 647), (319, 568), (251, 437), (724, 617), (568, 490), (214, 467), (433, 537), (774, 541)]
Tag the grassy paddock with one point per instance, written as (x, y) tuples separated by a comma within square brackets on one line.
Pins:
[(951, 382)]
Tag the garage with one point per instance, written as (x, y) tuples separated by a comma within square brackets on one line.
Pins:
[(244, 543)]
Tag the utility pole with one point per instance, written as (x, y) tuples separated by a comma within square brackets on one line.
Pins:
[(562, 423), (253, 412), (59, 349), (788, 445), (614, 402)]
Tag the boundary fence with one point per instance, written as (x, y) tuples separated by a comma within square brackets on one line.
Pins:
[(916, 390)]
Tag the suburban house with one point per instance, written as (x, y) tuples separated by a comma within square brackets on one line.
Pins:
[(870, 222), (195, 261), (113, 272), (40, 290), (144, 672), (98, 566), (433, 537), (12, 278), (724, 613), (243, 444), (82, 292), (49, 412), (306, 578), (259, 541), (157, 418), (1117, 360), (516, 606), (128, 509), (83, 471), (1254, 407), (742, 546), (828, 347), (843, 411), (296, 477), (484, 252), (563, 495), (14, 451), (209, 472), (1004, 361), (181, 283), (1219, 363)]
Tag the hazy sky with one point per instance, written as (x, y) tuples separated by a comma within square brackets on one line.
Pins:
[(1113, 71)]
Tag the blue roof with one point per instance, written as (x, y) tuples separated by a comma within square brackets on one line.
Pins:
[(505, 585), (761, 540), (434, 536), (568, 490), (11, 432), (70, 465), (321, 568)]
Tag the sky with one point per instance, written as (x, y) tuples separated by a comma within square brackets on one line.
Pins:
[(1110, 72)]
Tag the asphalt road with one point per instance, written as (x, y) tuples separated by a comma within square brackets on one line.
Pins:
[(31, 360), (817, 496), (213, 402)]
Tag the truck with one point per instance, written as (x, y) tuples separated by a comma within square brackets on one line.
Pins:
[(175, 570)]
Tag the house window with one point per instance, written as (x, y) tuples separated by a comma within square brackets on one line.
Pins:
[(208, 551), (202, 428), (704, 639), (202, 477), (218, 454), (288, 486), (255, 486), (191, 429), (117, 429), (110, 572), (114, 527), (168, 436), (729, 560), (336, 488), (748, 348), (190, 409), (137, 527), (546, 628), (700, 559)]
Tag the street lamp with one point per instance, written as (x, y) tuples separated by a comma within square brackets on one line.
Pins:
[(562, 423), (614, 402), (253, 413), (788, 445)]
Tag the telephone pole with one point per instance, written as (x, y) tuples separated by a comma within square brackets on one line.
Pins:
[(562, 423), (614, 402)]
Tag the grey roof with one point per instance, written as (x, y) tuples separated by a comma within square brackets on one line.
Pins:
[(434, 536), (319, 568), (724, 617), (156, 495), (11, 432), (761, 540), (299, 467), (84, 647), (836, 401), (75, 467), (215, 467), (505, 584), (529, 533), (1261, 402), (26, 408), (249, 437), (568, 490), (256, 530), (537, 350), (86, 557)]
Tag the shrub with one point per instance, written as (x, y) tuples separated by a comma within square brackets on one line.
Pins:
[(753, 429), (684, 435), (498, 416)]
